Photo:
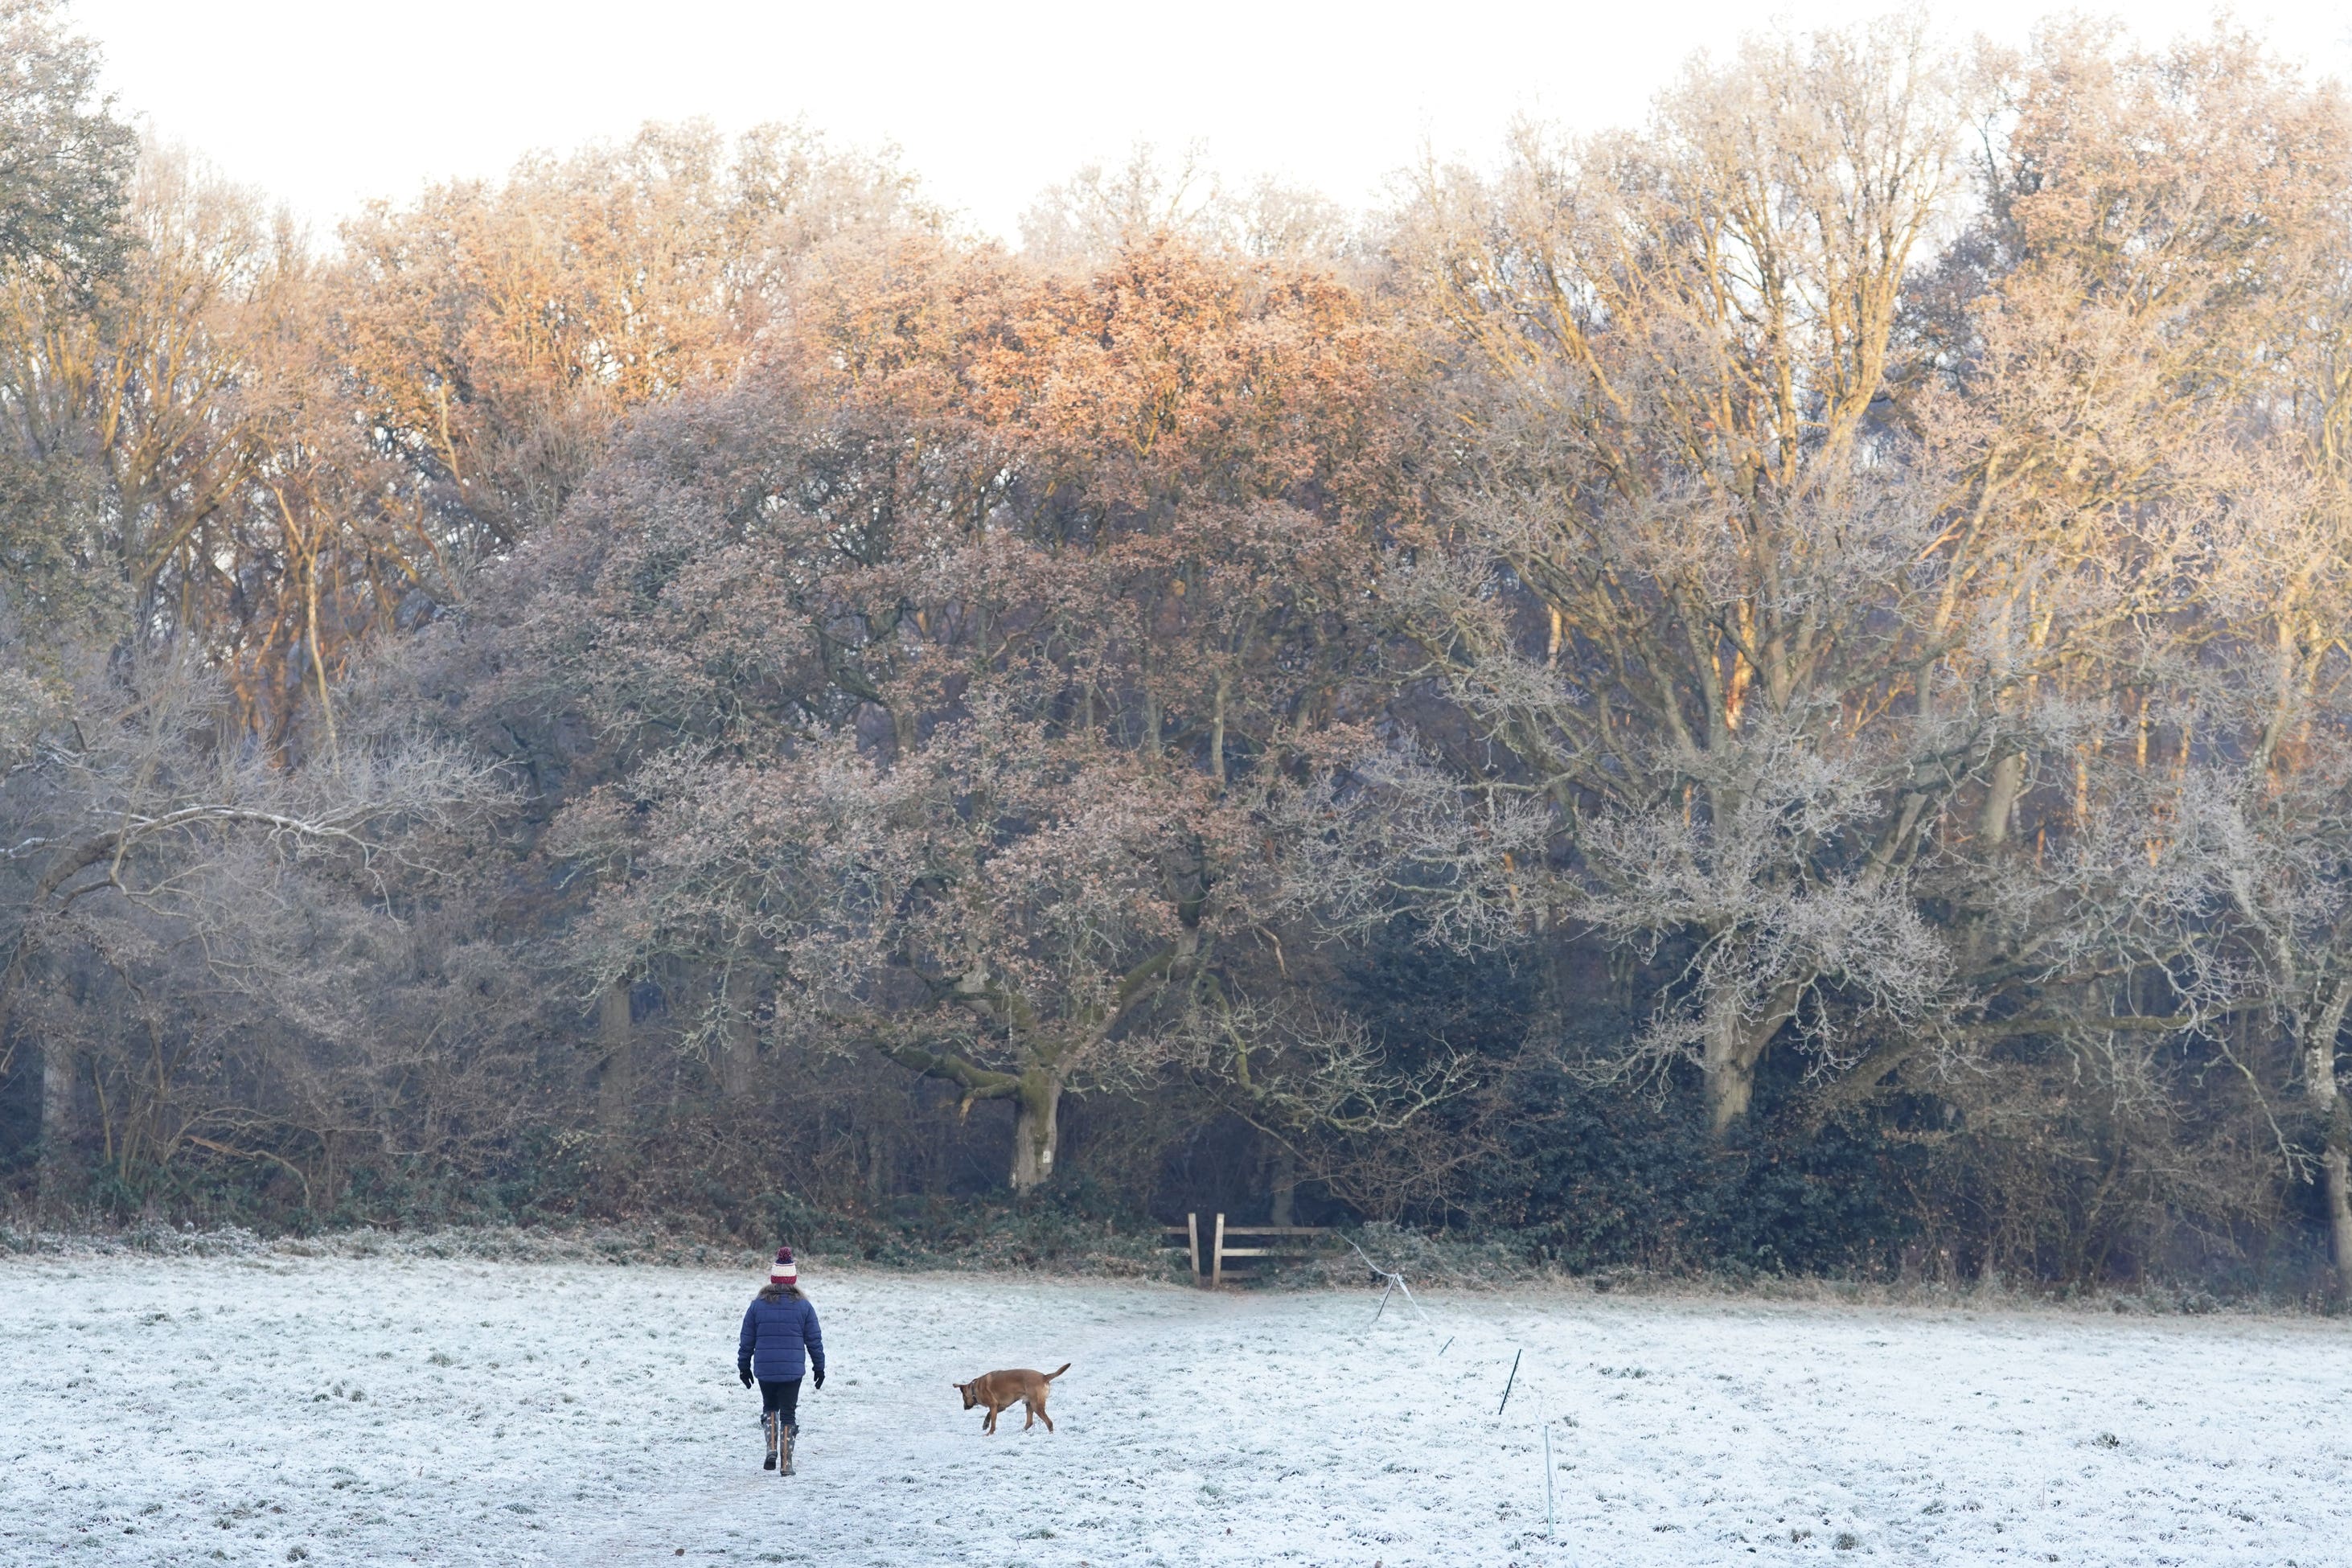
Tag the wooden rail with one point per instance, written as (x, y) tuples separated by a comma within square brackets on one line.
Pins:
[(1218, 1251)]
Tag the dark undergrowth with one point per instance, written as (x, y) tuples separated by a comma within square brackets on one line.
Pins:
[(1051, 1236)]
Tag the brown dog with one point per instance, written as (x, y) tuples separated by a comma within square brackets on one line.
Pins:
[(998, 1390)]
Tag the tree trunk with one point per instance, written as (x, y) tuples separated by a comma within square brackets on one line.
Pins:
[(60, 1129), (1034, 1129), (739, 1044), (2337, 1162), (1285, 1187), (2007, 781), (616, 1086), (1734, 1043), (2335, 1113), (1150, 702), (881, 1165), (1217, 732)]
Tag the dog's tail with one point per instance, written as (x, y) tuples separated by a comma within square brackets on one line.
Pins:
[(1058, 1372)]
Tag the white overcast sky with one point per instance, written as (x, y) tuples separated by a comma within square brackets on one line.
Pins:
[(327, 103)]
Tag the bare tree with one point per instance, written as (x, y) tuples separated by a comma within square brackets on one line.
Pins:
[(131, 790), (1690, 340)]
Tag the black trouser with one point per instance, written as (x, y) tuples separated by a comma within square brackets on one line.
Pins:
[(784, 1395)]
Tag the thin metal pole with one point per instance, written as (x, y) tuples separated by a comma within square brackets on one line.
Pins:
[(1383, 1306), (1551, 1524), (1512, 1379)]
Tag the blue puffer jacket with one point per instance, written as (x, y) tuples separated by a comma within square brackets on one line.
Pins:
[(777, 1330)]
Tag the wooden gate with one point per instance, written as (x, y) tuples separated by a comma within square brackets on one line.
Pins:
[(1291, 1241)]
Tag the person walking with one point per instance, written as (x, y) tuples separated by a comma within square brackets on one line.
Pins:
[(780, 1344)]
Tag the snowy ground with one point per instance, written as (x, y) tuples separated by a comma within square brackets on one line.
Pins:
[(339, 1411)]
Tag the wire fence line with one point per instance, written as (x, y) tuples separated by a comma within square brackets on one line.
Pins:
[(1393, 1283)]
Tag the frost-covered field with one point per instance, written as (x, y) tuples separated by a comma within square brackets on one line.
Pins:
[(332, 1411)]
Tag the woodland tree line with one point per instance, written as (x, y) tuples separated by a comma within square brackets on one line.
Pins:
[(1765, 690)]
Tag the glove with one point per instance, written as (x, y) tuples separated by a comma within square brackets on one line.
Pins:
[(820, 1380), (744, 1375)]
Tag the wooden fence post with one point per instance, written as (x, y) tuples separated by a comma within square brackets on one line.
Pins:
[(1217, 1258), (1192, 1237)]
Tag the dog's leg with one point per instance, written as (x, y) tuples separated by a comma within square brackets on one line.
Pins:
[(1040, 1407), (1029, 1415)]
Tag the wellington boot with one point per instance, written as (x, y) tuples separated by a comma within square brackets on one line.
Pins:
[(768, 1430)]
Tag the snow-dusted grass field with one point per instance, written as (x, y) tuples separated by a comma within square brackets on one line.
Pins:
[(268, 1409)]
